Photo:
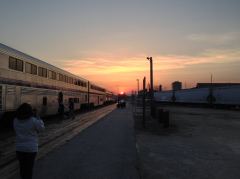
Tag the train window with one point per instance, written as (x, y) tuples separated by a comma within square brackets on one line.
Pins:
[(80, 83), (30, 68), (52, 75), (45, 72), (42, 72), (65, 78), (97, 88), (70, 80), (15, 64), (19, 65), (34, 69), (44, 101), (60, 77), (12, 63), (76, 82)]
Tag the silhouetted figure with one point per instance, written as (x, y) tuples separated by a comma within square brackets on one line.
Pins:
[(26, 127), (61, 110), (71, 108)]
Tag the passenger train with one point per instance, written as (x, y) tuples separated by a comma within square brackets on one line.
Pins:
[(24, 78)]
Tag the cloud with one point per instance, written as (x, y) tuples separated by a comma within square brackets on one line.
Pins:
[(115, 64), (117, 70), (215, 38)]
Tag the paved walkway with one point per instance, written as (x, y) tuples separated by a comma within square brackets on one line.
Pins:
[(105, 150)]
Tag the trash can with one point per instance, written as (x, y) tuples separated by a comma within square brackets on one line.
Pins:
[(163, 117), (160, 115), (166, 119)]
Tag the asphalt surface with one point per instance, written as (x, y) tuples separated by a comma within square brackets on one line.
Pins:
[(106, 150), (200, 143)]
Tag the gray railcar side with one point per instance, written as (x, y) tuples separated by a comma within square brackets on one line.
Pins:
[(226, 96)]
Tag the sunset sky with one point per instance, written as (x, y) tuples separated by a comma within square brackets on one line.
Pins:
[(107, 41)]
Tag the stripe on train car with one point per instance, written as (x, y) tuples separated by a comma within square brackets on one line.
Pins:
[(9, 81)]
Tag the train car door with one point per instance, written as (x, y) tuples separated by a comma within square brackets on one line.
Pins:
[(10, 98), (60, 102), (60, 97)]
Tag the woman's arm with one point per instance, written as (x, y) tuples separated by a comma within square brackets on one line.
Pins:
[(39, 124)]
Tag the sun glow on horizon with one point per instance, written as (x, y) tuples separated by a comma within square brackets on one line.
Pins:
[(119, 74)]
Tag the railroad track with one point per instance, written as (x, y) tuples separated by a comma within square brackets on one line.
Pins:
[(54, 136)]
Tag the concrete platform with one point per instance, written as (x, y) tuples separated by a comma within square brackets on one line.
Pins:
[(104, 150)]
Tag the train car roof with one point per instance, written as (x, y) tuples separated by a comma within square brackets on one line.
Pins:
[(17, 54)]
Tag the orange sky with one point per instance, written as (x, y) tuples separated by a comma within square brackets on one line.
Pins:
[(119, 73)]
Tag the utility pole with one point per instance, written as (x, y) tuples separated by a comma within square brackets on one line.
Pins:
[(211, 90), (151, 85), (211, 99), (137, 86), (211, 79), (143, 103)]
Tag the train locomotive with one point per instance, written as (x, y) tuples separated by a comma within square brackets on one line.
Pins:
[(25, 79)]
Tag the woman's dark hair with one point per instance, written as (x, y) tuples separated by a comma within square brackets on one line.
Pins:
[(24, 111)]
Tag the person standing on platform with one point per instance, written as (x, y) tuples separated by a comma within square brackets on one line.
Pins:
[(61, 110), (71, 108), (27, 126)]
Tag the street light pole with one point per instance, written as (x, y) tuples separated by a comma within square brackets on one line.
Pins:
[(151, 85)]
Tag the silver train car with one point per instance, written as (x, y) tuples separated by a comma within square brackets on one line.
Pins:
[(221, 96), (24, 78)]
